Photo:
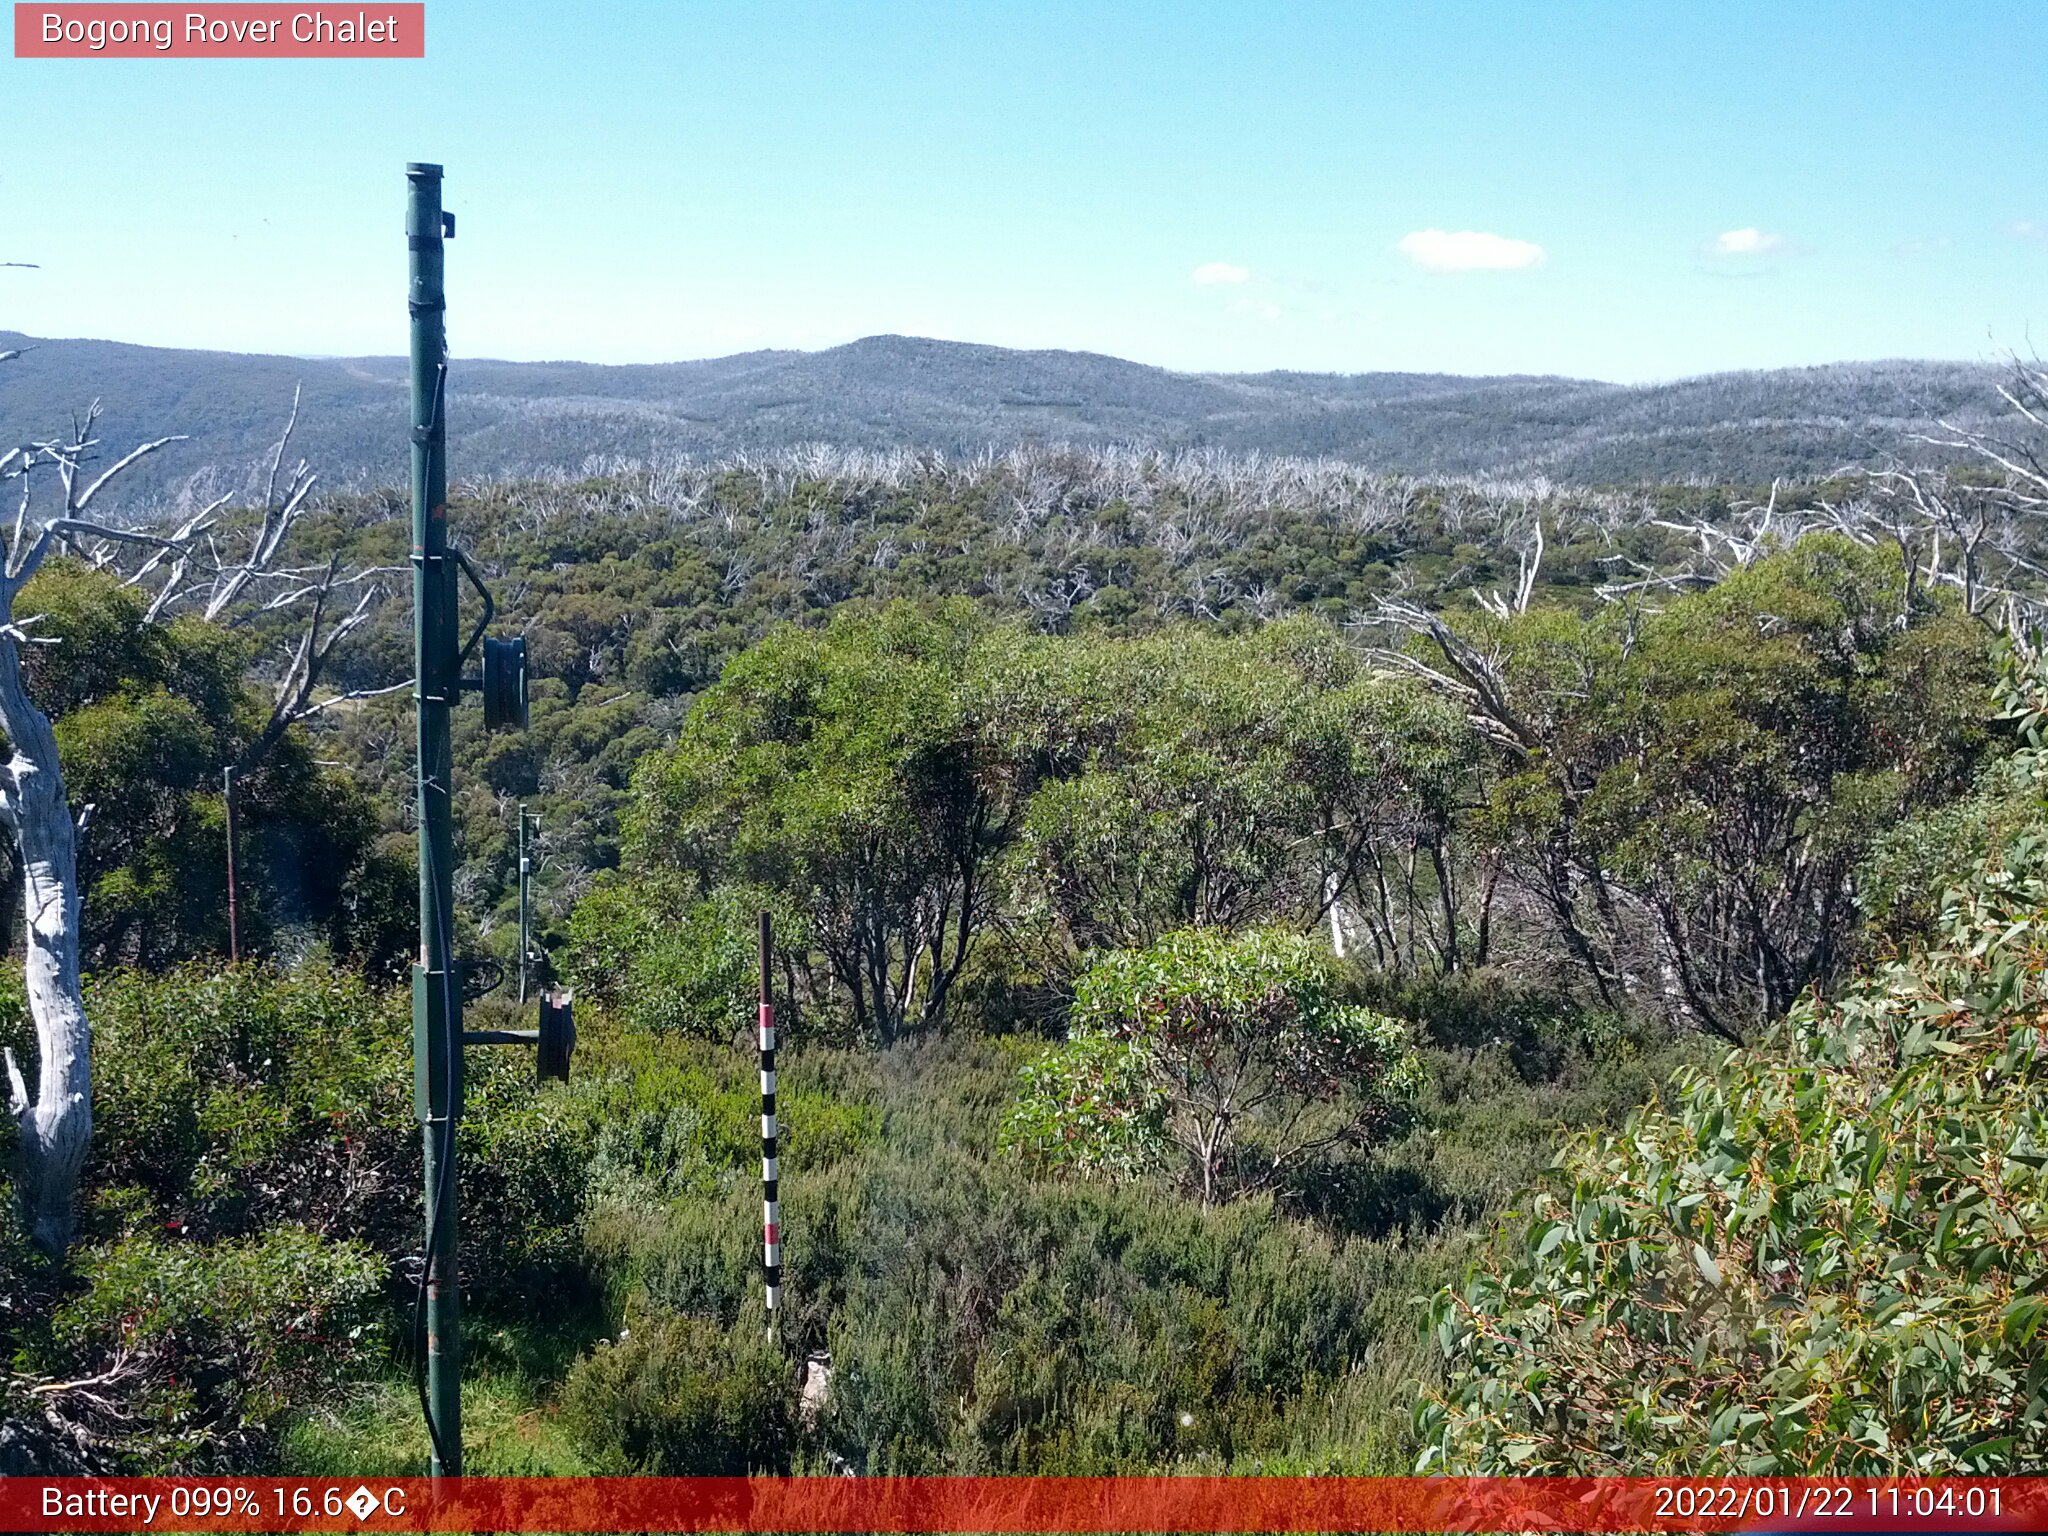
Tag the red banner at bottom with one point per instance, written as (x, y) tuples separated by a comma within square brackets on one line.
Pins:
[(1024, 1504)]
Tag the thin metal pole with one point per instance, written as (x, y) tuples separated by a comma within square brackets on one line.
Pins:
[(771, 1207), (437, 1005), (525, 869), (227, 792)]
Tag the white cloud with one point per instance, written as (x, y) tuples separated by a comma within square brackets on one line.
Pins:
[(1467, 250), (1746, 242), (1212, 273), (2030, 229)]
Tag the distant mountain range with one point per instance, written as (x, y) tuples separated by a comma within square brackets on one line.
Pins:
[(899, 391)]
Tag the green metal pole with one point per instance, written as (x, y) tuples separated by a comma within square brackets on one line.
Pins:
[(436, 1000)]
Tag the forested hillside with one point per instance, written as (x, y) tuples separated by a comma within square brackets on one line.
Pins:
[(1209, 892), (897, 392)]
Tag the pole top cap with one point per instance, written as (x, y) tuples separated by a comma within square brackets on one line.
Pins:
[(422, 168)]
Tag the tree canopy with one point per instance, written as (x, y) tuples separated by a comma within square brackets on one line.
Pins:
[(1821, 1255), (1235, 1054), (146, 715)]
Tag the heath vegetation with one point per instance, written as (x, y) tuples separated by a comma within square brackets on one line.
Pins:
[(1260, 945)]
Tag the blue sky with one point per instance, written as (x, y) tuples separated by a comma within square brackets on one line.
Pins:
[(1627, 191)]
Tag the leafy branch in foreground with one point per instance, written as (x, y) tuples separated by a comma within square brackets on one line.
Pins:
[(1826, 1255)]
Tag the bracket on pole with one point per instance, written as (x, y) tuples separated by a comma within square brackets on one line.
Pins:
[(552, 1043)]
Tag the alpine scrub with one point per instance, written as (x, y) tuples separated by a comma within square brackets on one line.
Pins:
[(1829, 1254)]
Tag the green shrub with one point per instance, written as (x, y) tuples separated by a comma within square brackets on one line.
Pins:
[(983, 1321), (209, 1342), (694, 974), (682, 1397), (983, 1318), (1091, 1106), (1508, 1069), (232, 1100), (523, 1153), (1544, 1029), (240, 1097), (1912, 864), (1828, 1255), (673, 1119), (1232, 1057)]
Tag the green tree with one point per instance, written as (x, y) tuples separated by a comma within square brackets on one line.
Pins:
[(1764, 735), (1689, 792), (1234, 1054), (1824, 1254), (843, 769), (146, 715), (1194, 780)]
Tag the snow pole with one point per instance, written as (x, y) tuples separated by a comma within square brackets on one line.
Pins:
[(771, 1205)]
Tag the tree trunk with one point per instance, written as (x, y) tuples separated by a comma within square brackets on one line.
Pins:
[(56, 1124)]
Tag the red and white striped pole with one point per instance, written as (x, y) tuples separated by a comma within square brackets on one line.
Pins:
[(771, 1213)]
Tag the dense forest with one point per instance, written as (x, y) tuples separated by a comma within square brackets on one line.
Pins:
[(1284, 968)]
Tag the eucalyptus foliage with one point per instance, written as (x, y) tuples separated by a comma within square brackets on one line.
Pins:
[(146, 714), (1827, 1253), (695, 974), (1193, 779), (1685, 792), (1231, 1058), (907, 782), (841, 769)]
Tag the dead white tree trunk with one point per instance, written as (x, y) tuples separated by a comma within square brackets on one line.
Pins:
[(186, 573), (54, 1124)]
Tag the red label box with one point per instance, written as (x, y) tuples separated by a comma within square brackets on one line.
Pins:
[(112, 31)]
